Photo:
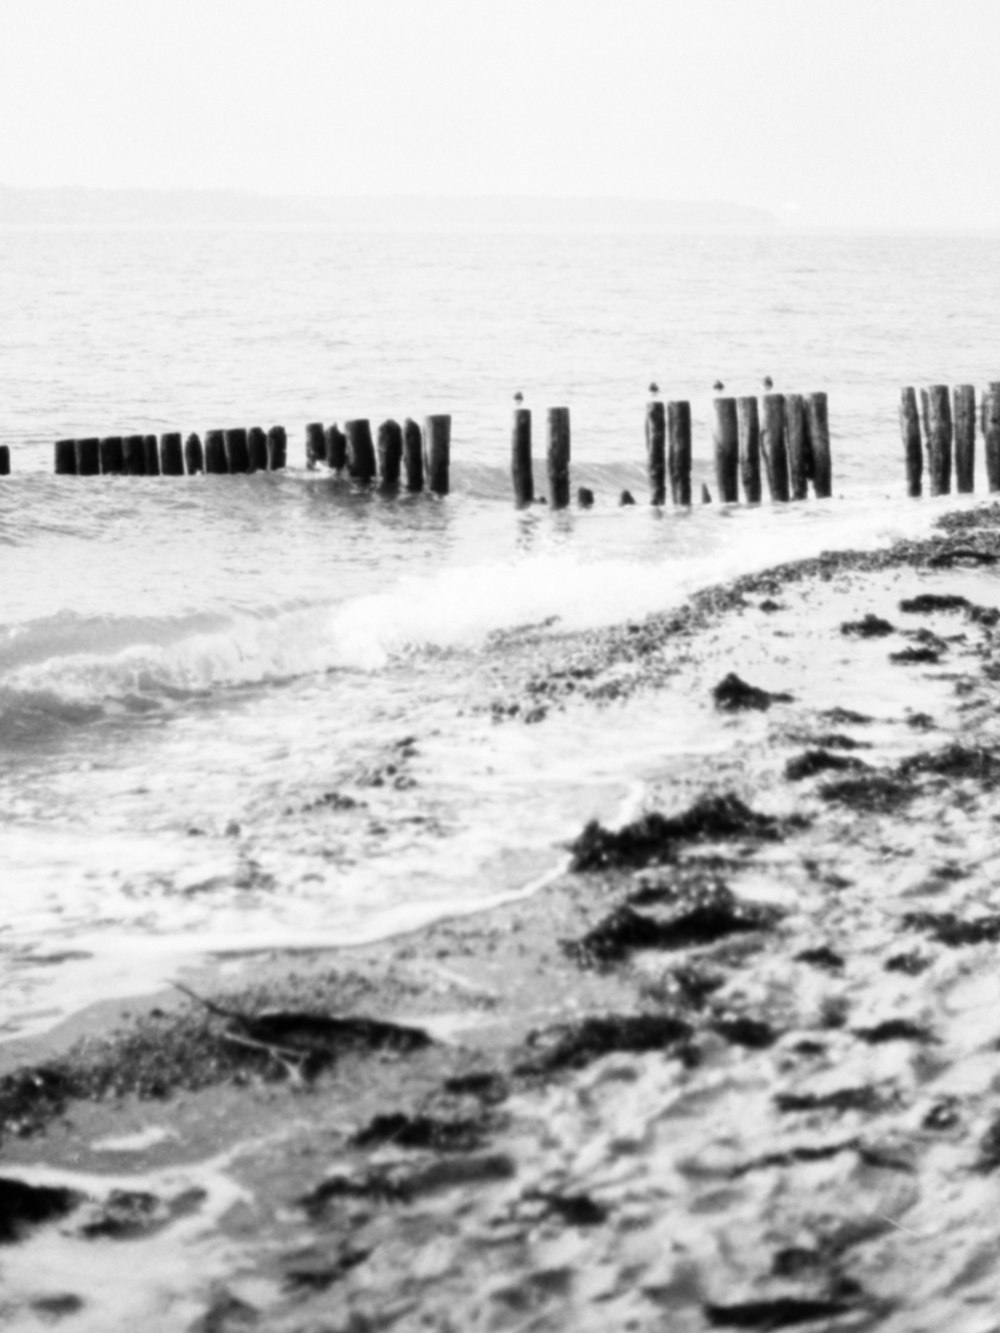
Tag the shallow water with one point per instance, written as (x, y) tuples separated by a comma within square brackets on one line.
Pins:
[(204, 683)]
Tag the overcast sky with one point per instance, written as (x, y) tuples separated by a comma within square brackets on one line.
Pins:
[(867, 112)]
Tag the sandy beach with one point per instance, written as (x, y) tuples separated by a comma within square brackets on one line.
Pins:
[(737, 1067)]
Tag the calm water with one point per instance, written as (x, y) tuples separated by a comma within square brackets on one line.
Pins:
[(207, 685)]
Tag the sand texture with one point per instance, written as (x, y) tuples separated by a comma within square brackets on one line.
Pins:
[(738, 1067)]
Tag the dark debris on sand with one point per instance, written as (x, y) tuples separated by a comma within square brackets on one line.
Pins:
[(869, 626), (733, 694), (653, 839)]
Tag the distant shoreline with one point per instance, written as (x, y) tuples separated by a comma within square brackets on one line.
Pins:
[(84, 205)]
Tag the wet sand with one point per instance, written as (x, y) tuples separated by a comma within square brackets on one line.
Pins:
[(737, 1068)]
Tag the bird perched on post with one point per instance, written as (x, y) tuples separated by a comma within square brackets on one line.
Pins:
[(718, 386)]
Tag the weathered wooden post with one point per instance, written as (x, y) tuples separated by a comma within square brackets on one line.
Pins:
[(925, 420), (194, 456), (748, 435), (585, 497), (818, 424), (171, 454), (413, 455), (151, 453), (991, 435), (237, 452), (939, 437), (964, 405), (216, 460), (437, 452), (336, 448), (390, 453), (520, 458), (679, 451), (725, 439), (256, 449), (112, 455), (557, 456), (88, 457), (656, 451), (360, 450), (315, 444), (65, 458), (135, 455), (792, 464), (277, 448), (909, 429), (4, 460)]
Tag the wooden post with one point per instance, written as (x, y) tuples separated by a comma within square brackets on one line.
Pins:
[(216, 460), (65, 459), (964, 407), (520, 458), (194, 456), (679, 451), (437, 452), (237, 452), (939, 437), (4, 460), (256, 450), (277, 448), (656, 456), (726, 441), (360, 450), (88, 457), (557, 456), (171, 454), (748, 435), (336, 448), (135, 455), (413, 455), (925, 420), (991, 435), (792, 465), (151, 453), (817, 421), (390, 453), (909, 429), (315, 444), (112, 455), (585, 497)]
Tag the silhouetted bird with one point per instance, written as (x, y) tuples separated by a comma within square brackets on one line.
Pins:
[(768, 382), (718, 386), (654, 387), (519, 397)]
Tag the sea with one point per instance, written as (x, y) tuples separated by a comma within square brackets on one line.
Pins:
[(242, 713)]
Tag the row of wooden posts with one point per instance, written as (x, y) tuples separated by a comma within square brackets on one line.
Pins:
[(789, 432), (237, 450), (424, 453), (944, 427)]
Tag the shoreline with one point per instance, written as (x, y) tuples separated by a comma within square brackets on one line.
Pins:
[(734, 1070)]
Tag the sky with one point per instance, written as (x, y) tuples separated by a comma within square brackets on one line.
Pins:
[(878, 113)]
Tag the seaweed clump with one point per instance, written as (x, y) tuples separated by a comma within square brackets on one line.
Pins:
[(868, 627), (23, 1206), (652, 838), (954, 931), (733, 694), (704, 917), (810, 762), (572, 1046)]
